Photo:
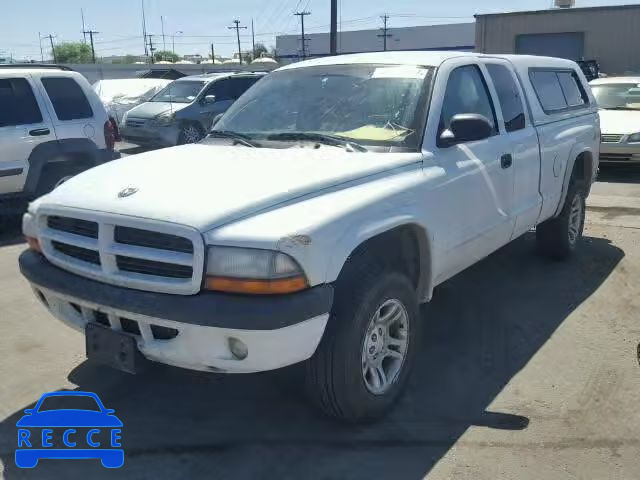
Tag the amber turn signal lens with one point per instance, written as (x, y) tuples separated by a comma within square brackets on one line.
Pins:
[(257, 287), (34, 244)]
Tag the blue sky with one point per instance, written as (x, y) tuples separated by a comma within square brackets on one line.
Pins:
[(119, 21)]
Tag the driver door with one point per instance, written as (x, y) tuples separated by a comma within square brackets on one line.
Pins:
[(474, 196)]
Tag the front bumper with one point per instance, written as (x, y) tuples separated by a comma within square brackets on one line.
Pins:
[(278, 331), (620, 153), (166, 136)]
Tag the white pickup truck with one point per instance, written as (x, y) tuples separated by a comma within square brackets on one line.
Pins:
[(323, 208)]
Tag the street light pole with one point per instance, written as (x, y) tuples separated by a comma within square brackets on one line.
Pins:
[(173, 40)]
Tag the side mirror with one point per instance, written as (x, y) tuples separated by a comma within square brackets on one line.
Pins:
[(466, 127), (109, 411), (209, 99), (29, 411)]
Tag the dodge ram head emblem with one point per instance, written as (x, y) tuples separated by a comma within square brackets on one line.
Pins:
[(127, 192)]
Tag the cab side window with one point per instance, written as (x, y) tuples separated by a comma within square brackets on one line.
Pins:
[(221, 89), (466, 92), (509, 97)]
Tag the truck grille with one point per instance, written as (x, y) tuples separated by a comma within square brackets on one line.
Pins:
[(611, 138), (121, 251)]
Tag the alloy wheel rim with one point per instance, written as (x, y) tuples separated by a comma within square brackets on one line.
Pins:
[(191, 134), (575, 219), (384, 347)]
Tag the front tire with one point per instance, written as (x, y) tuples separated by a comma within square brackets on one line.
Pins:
[(558, 237), (363, 361), (190, 133)]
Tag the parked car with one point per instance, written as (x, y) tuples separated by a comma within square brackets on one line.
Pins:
[(619, 102), (122, 94), (52, 127), (326, 205), (184, 110)]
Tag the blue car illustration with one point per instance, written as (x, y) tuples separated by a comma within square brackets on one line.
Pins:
[(35, 430)]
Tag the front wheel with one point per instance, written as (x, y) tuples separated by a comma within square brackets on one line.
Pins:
[(558, 237), (190, 133), (363, 361)]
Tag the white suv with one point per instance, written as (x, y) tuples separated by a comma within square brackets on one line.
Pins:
[(52, 126)]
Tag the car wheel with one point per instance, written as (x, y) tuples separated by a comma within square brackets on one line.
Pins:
[(558, 237), (190, 133), (362, 363)]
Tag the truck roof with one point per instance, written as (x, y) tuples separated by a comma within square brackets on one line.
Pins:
[(430, 58)]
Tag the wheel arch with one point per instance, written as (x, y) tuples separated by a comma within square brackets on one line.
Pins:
[(413, 253), (581, 166)]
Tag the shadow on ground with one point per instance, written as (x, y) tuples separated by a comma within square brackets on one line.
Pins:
[(10, 230), (619, 174), (482, 328)]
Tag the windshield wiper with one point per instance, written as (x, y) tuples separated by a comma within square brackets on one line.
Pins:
[(319, 138), (245, 140)]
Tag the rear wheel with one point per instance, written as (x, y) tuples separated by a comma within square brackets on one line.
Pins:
[(363, 361), (190, 133), (558, 237)]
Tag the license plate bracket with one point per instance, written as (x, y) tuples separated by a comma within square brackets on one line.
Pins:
[(111, 348)]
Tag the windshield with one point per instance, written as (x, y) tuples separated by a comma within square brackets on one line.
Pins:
[(622, 96), (183, 91), (69, 402), (368, 104)]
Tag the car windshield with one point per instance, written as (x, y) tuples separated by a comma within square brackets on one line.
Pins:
[(69, 402), (617, 96), (365, 103), (183, 91)]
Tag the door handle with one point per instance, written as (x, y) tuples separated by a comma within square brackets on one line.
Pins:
[(38, 132), (506, 160)]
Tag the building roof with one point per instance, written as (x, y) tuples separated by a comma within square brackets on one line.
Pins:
[(558, 10)]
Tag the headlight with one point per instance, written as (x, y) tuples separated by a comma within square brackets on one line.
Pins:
[(634, 138), (253, 271), (164, 119)]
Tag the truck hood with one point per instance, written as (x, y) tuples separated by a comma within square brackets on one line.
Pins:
[(206, 186), (620, 122), (153, 109)]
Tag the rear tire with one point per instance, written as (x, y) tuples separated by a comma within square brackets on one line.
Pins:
[(558, 237), (343, 377)]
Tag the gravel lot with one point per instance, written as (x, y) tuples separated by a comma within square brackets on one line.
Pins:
[(528, 371)]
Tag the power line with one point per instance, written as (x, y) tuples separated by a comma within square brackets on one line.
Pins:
[(93, 50), (304, 39), (384, 33), (237, 28)]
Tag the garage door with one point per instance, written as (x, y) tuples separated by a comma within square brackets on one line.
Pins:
[(563, 45)]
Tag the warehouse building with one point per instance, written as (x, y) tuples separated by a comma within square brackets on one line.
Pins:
[(458, 36), (609, 35)]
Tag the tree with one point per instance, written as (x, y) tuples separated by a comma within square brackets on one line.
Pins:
[(260, 49), (165, 55), (73, 52)]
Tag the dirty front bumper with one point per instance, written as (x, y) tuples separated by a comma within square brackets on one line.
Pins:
[(189, 331)]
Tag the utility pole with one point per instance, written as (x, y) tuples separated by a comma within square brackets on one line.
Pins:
[(333, 37), (253, 41), (41, 51), (164, 43), (213, 55), (151, 47), (144, 30), (304, 39), (84, 34), (93, 51), (237, 28), (53, 50), (384, 33)]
